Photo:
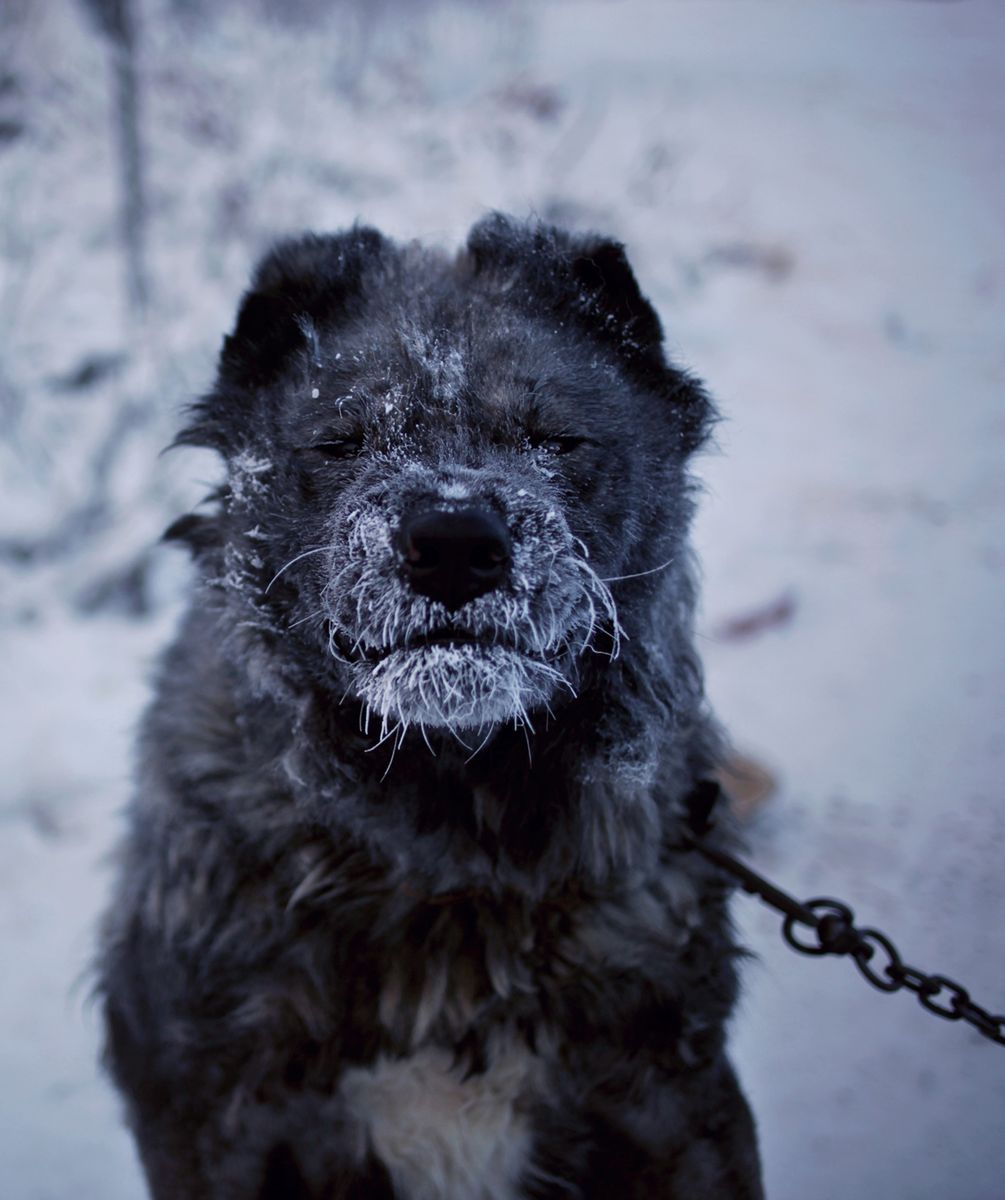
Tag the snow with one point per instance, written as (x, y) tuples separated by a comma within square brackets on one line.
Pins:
[(813, 195)]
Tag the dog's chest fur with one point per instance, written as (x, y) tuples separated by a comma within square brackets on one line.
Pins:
[(440, 1135), (460, 969), (469, 1014), (473, 1018)]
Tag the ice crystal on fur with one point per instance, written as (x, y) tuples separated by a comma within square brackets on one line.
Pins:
[(457, 687)]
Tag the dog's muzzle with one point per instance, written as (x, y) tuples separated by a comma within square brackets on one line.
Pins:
[(454, 617)]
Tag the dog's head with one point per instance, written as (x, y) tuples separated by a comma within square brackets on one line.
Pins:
[(437, 467)]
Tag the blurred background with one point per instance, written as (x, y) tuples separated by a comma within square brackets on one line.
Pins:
[(813, 194)]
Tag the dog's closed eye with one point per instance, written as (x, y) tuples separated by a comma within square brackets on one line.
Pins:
[(336, 448), (560, 444)]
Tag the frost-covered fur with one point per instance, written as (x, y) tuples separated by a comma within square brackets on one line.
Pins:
[(403, 909), (541, 623)]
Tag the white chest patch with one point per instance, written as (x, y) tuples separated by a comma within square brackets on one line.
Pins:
[(443, 1137)]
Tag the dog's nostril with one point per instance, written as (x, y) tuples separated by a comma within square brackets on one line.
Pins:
[(490, 556), (421, 554), (454, 556)]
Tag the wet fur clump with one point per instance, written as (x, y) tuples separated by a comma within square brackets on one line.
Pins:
[(403, 910)]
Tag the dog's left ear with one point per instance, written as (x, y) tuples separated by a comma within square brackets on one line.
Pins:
[(588, 280), (588, 276), (608, 298)]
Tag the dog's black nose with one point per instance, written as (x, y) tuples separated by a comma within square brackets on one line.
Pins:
[(454, 556)]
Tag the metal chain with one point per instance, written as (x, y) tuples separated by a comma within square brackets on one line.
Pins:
[(833, 925)]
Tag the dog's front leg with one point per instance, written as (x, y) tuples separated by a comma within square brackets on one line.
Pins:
[(208, 1130), (303, 1150)]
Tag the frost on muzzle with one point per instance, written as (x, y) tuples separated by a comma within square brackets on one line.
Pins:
[(464, 614)]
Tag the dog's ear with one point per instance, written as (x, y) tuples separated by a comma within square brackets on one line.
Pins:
[(588, 276), (303, 281), (588, 280), (299, 285)]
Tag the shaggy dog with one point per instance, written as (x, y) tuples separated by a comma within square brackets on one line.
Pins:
[(404, 909)]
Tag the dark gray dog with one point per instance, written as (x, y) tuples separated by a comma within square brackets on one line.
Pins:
[(404, 910)]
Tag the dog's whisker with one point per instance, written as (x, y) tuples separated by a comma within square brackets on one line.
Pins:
[(425, 738), (481, 745), (603, 593), (303, 620), (298, 558), (640, 574), (398, 734)]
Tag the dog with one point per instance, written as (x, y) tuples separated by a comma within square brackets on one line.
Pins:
[(404, 909)]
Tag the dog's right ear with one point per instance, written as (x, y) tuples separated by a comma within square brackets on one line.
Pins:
[(304, 280), (301, 284)]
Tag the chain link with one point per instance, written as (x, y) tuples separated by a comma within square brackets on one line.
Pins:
[(825, 926)]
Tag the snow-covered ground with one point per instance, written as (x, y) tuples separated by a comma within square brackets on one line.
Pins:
[(814, 194)]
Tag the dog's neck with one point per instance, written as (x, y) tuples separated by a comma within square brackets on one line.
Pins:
[(591, 793), (583, 795)]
